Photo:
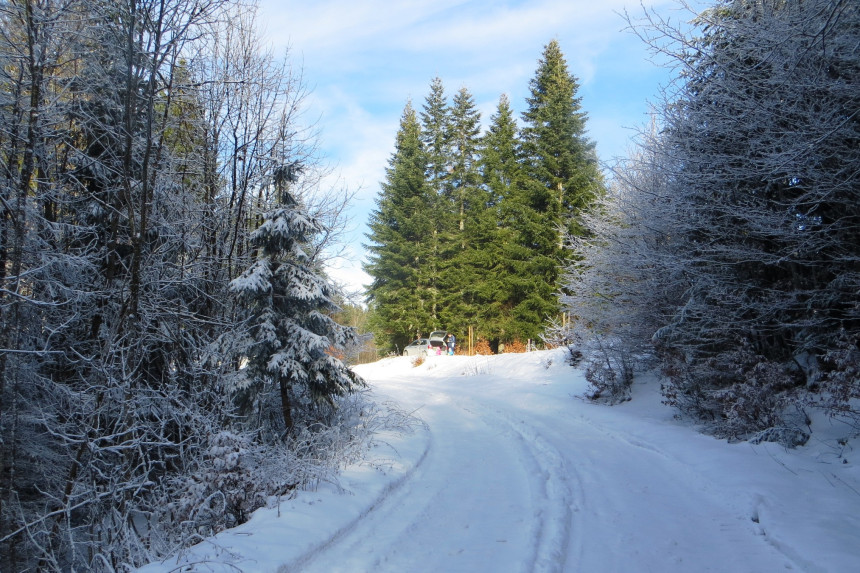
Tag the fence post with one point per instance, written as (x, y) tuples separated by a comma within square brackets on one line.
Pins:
[(471, 341)]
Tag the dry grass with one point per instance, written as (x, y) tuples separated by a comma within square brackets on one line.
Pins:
[(515, 347), (482, 348)]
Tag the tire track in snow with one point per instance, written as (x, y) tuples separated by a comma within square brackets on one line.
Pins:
[(751, 505), (720, 519), (557, 501), (390, 490), (527, 472)]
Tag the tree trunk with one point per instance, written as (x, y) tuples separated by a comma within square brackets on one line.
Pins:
[(286, 406)]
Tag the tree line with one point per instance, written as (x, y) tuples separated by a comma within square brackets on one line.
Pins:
[(729, 247), (468, 229), (167, 352)]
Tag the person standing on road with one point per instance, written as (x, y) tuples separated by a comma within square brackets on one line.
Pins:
[(451, 341)]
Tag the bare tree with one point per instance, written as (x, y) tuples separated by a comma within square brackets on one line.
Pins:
[(90, 274), (624, 281)]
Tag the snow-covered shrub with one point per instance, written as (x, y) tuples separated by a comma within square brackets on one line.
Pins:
[(477, 368), (224, 490), (237, 473), (574, 356), (837, 380), (609, 370), (739, 395), (322, 450), (557, 333), (617, 290)]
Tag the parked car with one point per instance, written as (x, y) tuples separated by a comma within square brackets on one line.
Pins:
[(417, 348), (437, 341), (438, 336), (425, 346)]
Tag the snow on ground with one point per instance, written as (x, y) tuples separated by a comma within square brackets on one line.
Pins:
[(514, 472)]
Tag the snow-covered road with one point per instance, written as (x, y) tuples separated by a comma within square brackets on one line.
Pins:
[(511, 472), (487, 490), (517, 475)]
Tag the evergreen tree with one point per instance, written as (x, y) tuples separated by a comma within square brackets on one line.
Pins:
[(289, 302), (563, 179), (401, 247), (463, 172), (557, 152), (436, 136), (464, 237), (495, 213), (501, 174)]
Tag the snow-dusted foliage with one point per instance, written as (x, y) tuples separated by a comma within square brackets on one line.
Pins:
[(291, 340), (234, 473), (125, 211), (731, 242), (624, 278)]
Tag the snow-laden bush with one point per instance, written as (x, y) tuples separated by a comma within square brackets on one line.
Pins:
[(745, 397), (837, 378), (223, 490), (616, 296), (237, 474), (609, 368)]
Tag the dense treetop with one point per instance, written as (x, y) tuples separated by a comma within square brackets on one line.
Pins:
[(498, 207)]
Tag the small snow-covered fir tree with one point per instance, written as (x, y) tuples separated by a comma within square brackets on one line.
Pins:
[(292, 337)]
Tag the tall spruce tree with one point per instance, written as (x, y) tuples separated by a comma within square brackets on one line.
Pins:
[(463, 235), (436, 136), (402, 293), (501, 173), (562, 179), (289, 303), (463, 172)]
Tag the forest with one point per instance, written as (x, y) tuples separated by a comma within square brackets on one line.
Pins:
[(171, 351), (468, 233), (727, 253), (724, 251)]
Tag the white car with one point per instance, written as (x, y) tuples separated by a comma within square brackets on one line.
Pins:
[(437, 339), (425, 346), (417, 348)]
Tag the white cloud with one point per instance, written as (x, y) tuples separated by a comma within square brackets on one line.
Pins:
[(337, 25), (359, 144)]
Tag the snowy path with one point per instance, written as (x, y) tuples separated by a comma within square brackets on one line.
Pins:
[(513, 473), (510, 482), (482, 491)]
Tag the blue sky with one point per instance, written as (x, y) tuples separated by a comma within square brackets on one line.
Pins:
[(363, 59)]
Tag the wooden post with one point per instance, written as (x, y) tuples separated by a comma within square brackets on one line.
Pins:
[(471, 340)]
